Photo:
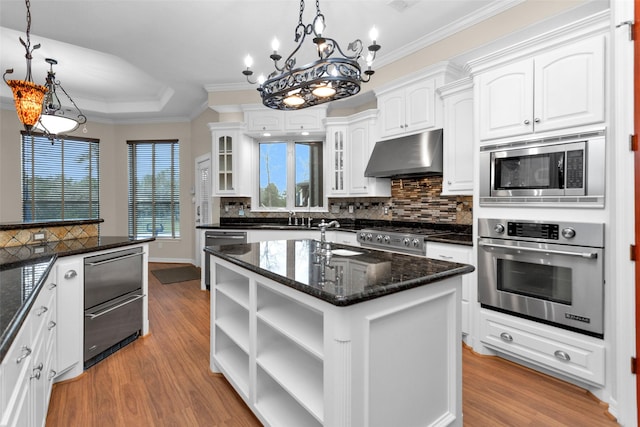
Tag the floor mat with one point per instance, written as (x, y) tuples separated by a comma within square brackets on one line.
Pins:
[(177, 274)]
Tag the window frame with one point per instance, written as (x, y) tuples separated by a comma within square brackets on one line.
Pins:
[(35, 138), (175, 232), (290, 189)]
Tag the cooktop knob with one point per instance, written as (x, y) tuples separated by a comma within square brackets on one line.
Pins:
[(499, 228), (369, 236), (416, 243), (379, 238), (568, 233), (406, 241), (387, 239)]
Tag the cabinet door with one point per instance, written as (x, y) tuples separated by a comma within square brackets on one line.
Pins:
[(392, 114), (569, 86), (308, 120), (337, 158), (264, 120), (420, 105), (506, 101), (223, 147), (458, 147), (69, 277), (359, 152)]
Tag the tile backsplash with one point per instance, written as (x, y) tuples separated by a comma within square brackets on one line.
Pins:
[(414, 200), (25, 236)]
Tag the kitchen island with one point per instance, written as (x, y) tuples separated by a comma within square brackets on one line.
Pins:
[(320, 334)]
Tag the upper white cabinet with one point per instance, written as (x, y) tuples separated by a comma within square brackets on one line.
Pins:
[(408, 110), (458, 142), (261, 120), (558, 89), (350, 141), (230, 150), (412, 105)]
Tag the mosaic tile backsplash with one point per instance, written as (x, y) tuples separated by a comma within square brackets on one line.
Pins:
[(24, 236), (414, 199)]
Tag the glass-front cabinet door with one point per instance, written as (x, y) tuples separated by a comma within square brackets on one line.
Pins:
[(225, 163), (232, 160)]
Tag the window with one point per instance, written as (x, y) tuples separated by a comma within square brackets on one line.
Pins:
[(60, 180), (291, 181), (154, 189)]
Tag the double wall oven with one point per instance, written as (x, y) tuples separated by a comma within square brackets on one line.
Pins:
[(549, 271)]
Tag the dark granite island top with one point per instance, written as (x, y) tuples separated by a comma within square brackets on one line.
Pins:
[(302, 265)]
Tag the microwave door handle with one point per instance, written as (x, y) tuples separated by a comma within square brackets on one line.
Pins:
[(589, 255)]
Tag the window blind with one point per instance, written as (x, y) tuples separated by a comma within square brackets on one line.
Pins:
[(154, 188), (60, 180)]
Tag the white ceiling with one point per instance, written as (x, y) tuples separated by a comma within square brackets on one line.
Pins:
[(145, 60)]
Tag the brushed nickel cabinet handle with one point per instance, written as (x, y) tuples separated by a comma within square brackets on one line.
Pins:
[(70, 274), (506, 337), (562, 355), (26, 351)]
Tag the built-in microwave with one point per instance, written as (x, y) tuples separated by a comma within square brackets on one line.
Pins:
[(567, 171)]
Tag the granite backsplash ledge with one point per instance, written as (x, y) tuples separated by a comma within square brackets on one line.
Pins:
[(412, 200)]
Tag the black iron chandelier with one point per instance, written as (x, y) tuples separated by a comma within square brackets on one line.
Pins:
[(328, 79), (54, 119)]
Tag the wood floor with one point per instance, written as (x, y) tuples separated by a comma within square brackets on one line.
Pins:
[(164, 380)]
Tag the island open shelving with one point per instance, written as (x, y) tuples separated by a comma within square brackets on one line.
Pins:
[(297, 357)]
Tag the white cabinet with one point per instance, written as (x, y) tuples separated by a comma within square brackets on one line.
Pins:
[(558, 89), (261, 120), (28, 366), (462, 254), (408, 110), (349, 145), (70, 293), (573, 355), (231, 150), (343, 237), (458, 141)]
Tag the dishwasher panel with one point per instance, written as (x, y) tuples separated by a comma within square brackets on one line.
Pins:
[(219, 238)]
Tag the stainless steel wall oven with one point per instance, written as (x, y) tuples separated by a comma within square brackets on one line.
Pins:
[(547, 271)]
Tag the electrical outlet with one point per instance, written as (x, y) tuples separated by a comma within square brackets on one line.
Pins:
[(38, 236), (350, 208), (386, 210)]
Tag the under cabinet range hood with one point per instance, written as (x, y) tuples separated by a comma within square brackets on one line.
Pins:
[(408, 156)]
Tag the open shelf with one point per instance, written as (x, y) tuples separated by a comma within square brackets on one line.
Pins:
[(233, 319), (278, 407), (232, 361), (298, 322), (233, 285), (299, 373)]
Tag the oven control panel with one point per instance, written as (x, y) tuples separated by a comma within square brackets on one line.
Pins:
[(535, 230), (561, 232)]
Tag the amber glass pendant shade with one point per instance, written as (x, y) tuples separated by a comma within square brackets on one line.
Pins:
[(28, 98)]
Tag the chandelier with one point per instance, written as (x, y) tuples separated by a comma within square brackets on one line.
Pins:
[(329, 78), (54, 120), (26, 94)]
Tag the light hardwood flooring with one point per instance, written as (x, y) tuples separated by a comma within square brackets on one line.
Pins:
[(163, 379)]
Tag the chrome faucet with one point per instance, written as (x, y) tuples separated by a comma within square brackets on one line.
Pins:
[(323, 228)]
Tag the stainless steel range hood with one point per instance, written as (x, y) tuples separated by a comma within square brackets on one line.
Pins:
[(408, 156)]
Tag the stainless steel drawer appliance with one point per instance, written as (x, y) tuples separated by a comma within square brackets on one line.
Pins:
[(112, 302), (548, 271), (219, 238)]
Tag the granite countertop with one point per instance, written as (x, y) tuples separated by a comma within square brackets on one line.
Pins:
[(456, 234), (299, 264), (23, 270)]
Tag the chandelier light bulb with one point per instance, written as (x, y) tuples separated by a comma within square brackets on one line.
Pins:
[(248, 61), (261, 79), (275, 45), (293, 100), (324, 91), (318, 26), (369, 59), (373, 34)]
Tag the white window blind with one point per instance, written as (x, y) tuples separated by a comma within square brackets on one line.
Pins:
[(154, 188), (60, 180)]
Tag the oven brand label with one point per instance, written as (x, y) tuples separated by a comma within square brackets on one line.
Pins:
[(578, 318)]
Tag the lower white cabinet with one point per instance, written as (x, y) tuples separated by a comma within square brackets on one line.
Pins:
[(28, 367), (462, 254), (299, 361), (69, 273), (568, 353)]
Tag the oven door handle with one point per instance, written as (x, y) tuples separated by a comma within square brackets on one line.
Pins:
[(106, 261), (589, 255), (115, 307)]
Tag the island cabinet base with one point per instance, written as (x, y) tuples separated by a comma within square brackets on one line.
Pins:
[(297, 360)]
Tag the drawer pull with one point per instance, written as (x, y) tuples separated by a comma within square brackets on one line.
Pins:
[(52, 325), (70, 274), (26, 351), (562, 355), (506, 337), (52, 374), (51, 286), (37, 371), (42, 310)]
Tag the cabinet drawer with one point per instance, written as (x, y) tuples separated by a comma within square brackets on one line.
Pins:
[(571, 354)]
